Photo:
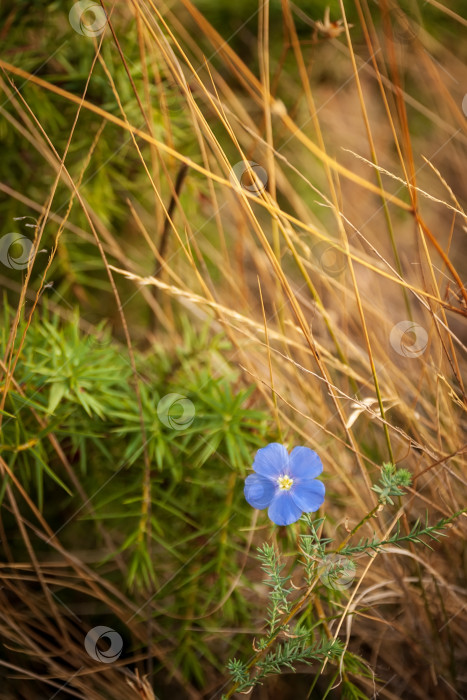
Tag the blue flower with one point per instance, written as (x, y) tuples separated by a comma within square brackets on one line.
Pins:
[(285, 484)]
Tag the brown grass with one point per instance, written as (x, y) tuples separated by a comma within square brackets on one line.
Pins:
[(366, 161)]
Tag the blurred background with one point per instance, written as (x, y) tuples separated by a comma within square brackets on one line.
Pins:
[(223, 225)]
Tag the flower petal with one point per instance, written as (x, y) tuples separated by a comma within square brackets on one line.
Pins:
[(271, 461), (283, 510), (259, 491), (308, 496), (304, 463)]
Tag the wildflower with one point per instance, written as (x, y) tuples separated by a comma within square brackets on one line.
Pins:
[(285, 484), (330, 30)]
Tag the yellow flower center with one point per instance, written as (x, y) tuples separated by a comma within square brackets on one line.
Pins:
[(285, 482)]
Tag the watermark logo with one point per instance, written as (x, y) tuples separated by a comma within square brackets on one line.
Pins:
[(88, 18), (99, 341), (330, 259), (100, 337), (404, 28), (408, 339), (176, 411), (251, 176), (172, 95), (337, 572), (10, 244), (115, 644)]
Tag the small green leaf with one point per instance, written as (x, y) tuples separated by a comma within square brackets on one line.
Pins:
[(56, 394)]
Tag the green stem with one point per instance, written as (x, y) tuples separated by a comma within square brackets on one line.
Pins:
[(299, 604)]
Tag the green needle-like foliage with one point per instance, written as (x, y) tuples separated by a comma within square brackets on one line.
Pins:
[(82, 389), (391, 483)]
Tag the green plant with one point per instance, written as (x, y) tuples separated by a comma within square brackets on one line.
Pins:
[(289, 642)]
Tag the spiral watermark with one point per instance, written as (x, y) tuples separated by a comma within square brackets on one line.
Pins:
[(87, 18), (464, 105), (99, 337), (404, 28), (251, 176), (7, 253), (337, 572), (408, 339), (176, 411), (172, 95), (331, 260), (115, 644), (99, 341)]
